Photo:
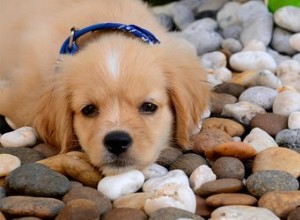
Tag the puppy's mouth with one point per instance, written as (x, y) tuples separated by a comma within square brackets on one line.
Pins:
[(120, 161)]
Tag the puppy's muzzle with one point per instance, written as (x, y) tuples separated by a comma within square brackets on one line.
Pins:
[(117, 142)]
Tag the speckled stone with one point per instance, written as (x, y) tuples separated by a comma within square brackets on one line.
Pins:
[(228, 167), (233, 89), (26, 155), (219, 100), (270, 122), (289, 138), (188, 163), (224, 199), (173, 213), (168, 156), (37, 180), (124, 214), (260, 183)]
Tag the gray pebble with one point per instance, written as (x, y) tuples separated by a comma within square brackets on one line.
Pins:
[(165, 20), (227, 16), (171, 213), (2, 192), (182, 16), (280, 41), (289, 138), (233, 31), (228, 167), (25, 154), (265, 181), (232, 45)]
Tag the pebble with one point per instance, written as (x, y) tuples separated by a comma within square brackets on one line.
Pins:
[(168, 156), (171, 213), (271, 123), (265, 181), (274, 158), (233, 89), (201, 175), (188, 163), (2, 216), (25, 154), (135, 200), (121, 184), (219, 100), (225, 199), (280, 202), (174, 176), (22, 137), (287, 17), (213, 60), (289, 138), (288, 72), (281, 41), (242, 111), (2, 192), (154, 170), (227, 16), (231, 127), (182, 16), (26, 180), (259, 95), (242, 212), (295, 214), (294, 120), (268, 79), (255, 45), (124, 214), (252, 60), (228, 167), (39, 207), (8, 163), (294, 41), (172, 195), (202, 208), (259, 139), (231, 45)]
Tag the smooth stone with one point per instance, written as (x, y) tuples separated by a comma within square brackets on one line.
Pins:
[(252, 60), (45, 208), (165, 20), (295, 214), (103, 203), (280, 202), (294, 41), (124, 214), (182, 16), (228, 167), (213, 60), (121, 184), (2, 192), (171, 213), (227, 16), (154, 170), (201, 175), (2, 216), (26, 180), (79, 209), (135, 200), (294, 120), (218, 76), (259, 139), (174, 176), (245, 79), (288, 72), (296, 57), (208, 138), (212, 5), (227, 185), (233, 89), (188, 163), (289, 138), (229, 126), (8, 163), (168, 156), (275, 158), (171, 195), (202, 208), (239, 150), (22, 137), (242, 111), (232, 45), (225, 199), (259, 95), (233, 31), (287, 17), (262, 182), (25, 154), (268, 79), (255, 45), (281, 41), (278, 57), (46, 150), (243, 212), (219, 100), (271, 123)]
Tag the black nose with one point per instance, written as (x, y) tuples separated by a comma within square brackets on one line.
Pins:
[(117, 142)]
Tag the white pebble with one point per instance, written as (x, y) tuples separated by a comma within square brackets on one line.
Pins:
[(201, 175), (172, 195), (122, 184), (255, 45), (268, 79), (295, 41), (294, 120), (22, 137), (8, 163), (213, 60), (154, 170), (11, 124), (260, 140), (286, 102), (288, 72), (174, 176)]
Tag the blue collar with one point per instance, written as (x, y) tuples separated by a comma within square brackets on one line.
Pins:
[(70, 47)]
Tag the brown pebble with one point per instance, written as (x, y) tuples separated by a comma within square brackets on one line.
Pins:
[(239, 150), (79, 209), (228, 167), (280, 202), (168, 156), (224, 199), (209, 138), (2, 216), (219, 100), (220, 186), (135, 200), (46, 149), (271, 123), (171, 213), (230, 88), (295, 214), (202, 208), (188, 163), (124, 214), (2, 181)]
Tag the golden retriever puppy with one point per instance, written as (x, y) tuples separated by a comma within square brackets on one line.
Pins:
[(120, 98)]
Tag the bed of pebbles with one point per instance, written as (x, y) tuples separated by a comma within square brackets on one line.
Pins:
[(245, 162)]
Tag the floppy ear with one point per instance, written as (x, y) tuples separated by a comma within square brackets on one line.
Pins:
[(188, 89), (54, 120)]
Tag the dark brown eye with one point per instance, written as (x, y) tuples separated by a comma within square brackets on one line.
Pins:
[(90, 111), (148, 108)]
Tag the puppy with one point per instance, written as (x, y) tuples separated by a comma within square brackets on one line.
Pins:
[(119, 98)]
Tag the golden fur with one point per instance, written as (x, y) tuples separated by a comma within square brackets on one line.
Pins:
[(33, 93)]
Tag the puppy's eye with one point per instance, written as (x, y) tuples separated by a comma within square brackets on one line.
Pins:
[(90, 111), (148, 108)]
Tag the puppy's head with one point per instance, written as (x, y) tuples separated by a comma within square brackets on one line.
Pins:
[(123, 101)]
